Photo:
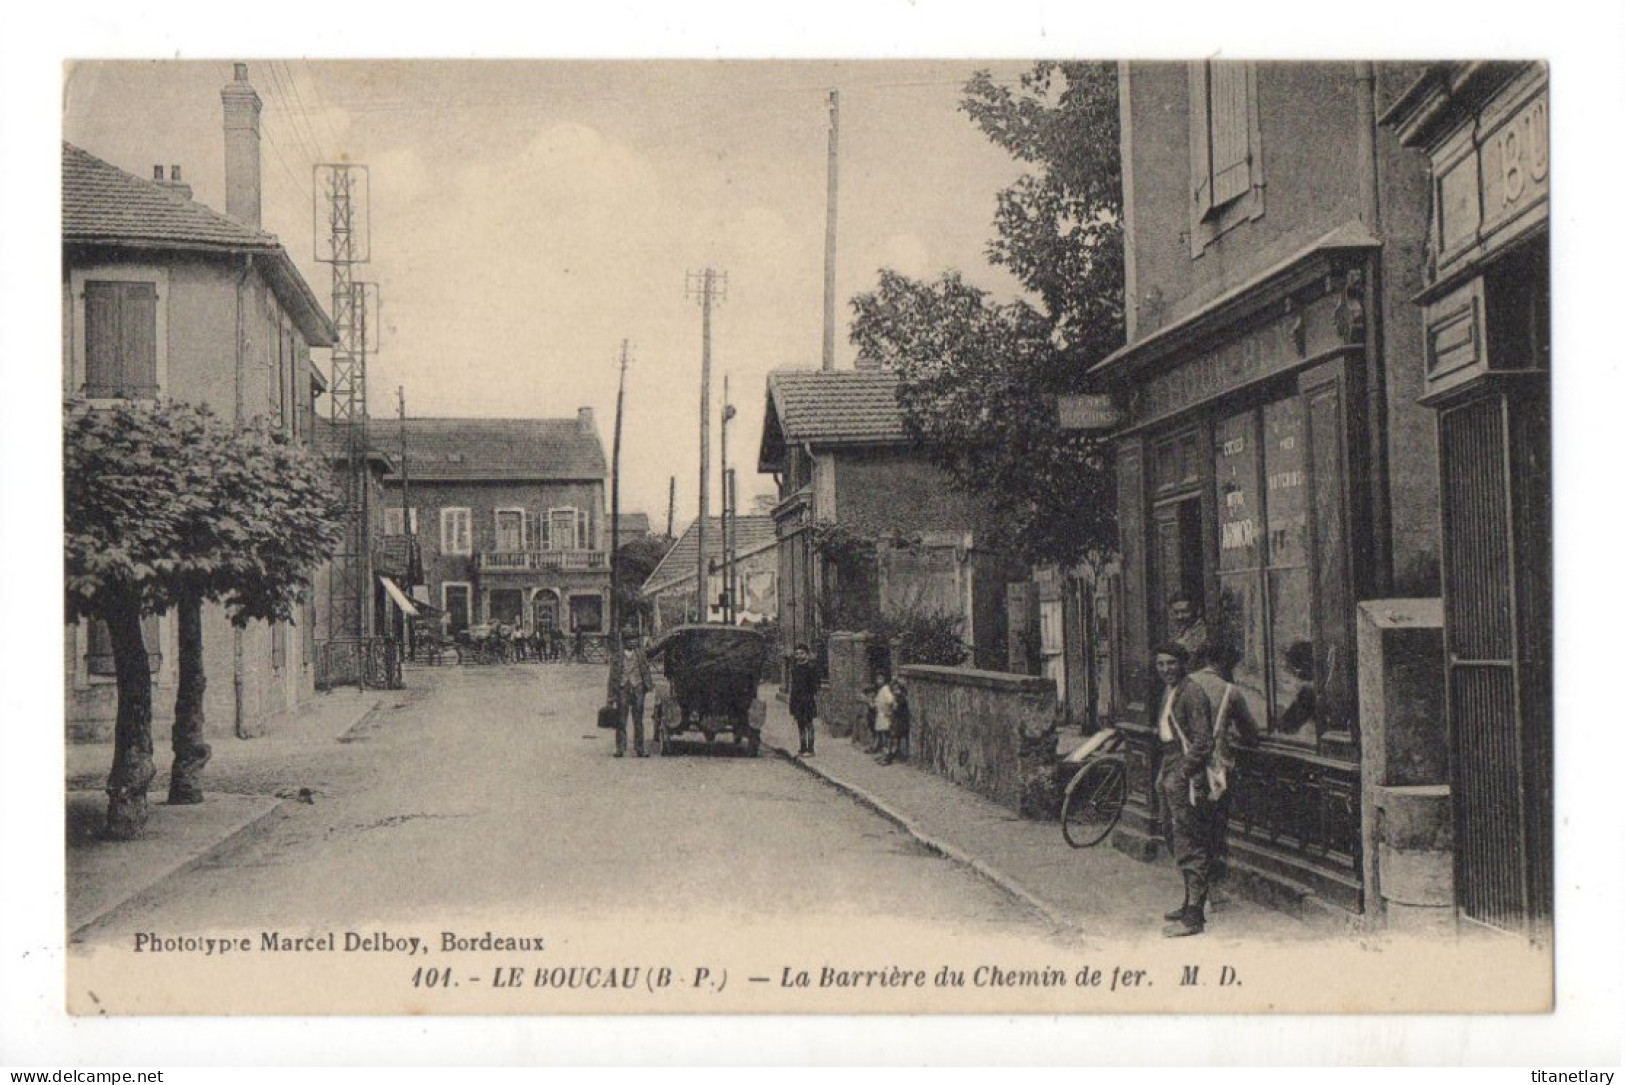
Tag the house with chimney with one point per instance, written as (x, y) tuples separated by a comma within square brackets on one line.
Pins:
[(509, 519), (163, 297)]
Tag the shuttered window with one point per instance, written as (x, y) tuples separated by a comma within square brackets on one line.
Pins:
[(1224, 134), (121, 340), (99, 647)]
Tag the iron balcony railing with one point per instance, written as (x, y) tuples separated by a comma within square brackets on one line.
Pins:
[(536, 561)]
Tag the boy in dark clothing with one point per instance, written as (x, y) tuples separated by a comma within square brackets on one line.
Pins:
[(804, 696)]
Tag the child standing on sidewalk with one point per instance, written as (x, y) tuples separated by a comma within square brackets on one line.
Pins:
[(885, 708), (900, 720)]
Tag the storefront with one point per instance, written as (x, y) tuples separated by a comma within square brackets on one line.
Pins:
[(1487, 368), (1247, 498)]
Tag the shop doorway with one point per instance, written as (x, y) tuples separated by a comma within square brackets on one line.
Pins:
[(1177, 570)]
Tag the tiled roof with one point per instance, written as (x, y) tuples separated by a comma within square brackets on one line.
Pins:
[(845, 406), (100, 202), (103, 205), (519, 449), (753, 533)]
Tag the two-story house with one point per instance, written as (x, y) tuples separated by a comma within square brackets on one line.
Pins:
[(510, 519), (835, 443), (1277, 478), (163, 297)]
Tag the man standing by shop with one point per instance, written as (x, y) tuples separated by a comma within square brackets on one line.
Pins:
[(804, 696), (629, 679), (1185, 730)]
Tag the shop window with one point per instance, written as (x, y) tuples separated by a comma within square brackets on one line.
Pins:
[(1240, 620), (1267, 589), (1292, 658), (586, 614)]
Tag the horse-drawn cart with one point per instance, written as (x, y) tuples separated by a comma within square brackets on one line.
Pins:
[(709, 684)]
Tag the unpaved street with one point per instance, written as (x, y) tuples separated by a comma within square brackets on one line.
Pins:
[(488, 790)]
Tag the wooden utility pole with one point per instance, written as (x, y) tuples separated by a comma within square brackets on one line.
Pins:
[(829, 229), (615, 510), (728, 413), (708, 287), (671, 508)]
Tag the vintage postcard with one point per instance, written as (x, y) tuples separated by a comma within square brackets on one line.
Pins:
[(807, 537)]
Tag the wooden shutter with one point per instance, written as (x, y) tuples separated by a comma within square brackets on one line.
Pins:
[(101, 342), (138, 339), (1227, 108), (1332, 589), (1201, 151), (279, 646)]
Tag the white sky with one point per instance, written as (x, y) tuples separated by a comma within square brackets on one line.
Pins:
[(528, 216)]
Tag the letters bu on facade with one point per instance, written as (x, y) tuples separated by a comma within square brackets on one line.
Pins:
[(1487, 315)]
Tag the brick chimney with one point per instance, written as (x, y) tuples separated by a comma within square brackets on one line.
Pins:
[(584, 422), (174, 184), (242, 109)]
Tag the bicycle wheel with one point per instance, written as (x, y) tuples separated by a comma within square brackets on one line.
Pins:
[(1094, 801)]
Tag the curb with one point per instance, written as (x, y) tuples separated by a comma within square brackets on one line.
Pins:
[(1054, 916), (231, 838), (191, 862)]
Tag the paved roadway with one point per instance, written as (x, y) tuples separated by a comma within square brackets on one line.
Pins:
[(488, 790)]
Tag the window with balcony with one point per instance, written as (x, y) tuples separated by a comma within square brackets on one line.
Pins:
[(510, 528), (395, 519)]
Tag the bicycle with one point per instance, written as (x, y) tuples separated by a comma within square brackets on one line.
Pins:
[(1097, 792)]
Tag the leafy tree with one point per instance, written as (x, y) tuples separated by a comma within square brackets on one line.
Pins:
[(634, 561), (979, 377), (168, 507)]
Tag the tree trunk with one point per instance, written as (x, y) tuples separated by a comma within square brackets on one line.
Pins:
[(186, 737), (132, 735)]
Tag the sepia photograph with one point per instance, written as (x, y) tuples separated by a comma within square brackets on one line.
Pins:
[(682, 550), (670, 537)]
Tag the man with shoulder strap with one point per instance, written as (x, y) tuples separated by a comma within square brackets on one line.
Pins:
[(1185, 732), (1233, 725)]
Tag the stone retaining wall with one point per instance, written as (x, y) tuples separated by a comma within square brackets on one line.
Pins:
[(988, 731)]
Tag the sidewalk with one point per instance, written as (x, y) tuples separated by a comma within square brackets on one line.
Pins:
[(1095, 893), (102, 875)]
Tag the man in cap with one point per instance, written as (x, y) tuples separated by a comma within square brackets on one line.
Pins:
[(1185, 733)]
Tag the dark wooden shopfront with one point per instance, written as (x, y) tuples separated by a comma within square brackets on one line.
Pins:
[(1487, 368), (1244, 485)]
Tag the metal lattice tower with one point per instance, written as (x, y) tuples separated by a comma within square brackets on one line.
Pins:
[(340, 188)]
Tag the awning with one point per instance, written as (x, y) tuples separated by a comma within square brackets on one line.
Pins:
[(408, 608)]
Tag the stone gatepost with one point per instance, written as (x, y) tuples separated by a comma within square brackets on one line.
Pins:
[(1405, 816)]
